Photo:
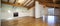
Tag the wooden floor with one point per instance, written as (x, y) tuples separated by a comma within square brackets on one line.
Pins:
[(31, 21)]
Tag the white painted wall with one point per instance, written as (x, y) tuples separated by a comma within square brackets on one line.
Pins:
[(8, 10), (5, 9), (31, 12), (40, 10), (37, 10)]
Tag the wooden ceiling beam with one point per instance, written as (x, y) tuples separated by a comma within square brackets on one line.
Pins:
[(10, 3), (14, 1), (49, 4), (14, 4), (27, 3), (52, 5)]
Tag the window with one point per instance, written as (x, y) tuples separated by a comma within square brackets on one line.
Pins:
[(51, 11)]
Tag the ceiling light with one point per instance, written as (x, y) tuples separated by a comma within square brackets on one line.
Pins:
[(20, 1)]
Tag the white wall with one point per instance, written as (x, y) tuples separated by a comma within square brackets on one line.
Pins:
[(40, 10), (8, 10), (31, 12), (5, 9), (37, 10)]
